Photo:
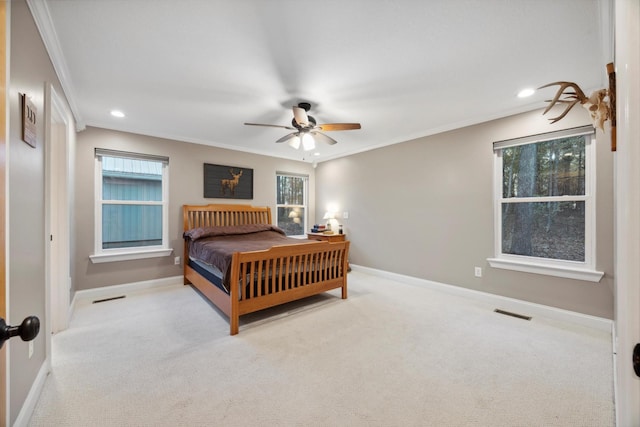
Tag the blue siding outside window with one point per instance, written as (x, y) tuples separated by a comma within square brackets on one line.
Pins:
[(131, 224)]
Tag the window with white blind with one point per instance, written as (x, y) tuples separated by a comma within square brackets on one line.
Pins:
[(545, 204), (131, 210)]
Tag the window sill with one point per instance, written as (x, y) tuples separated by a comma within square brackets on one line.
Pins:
[(127, 256), (549, 270)]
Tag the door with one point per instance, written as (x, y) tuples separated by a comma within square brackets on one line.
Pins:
[(627, 196), (4, 418)]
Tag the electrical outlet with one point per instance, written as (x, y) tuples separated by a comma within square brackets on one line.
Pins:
[(30, 349), (345, 215), (478, 272), (176, 260)]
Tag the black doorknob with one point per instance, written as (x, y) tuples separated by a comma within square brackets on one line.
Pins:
[(27, 330)]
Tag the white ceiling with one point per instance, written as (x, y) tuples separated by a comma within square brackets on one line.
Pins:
[(196, 70)]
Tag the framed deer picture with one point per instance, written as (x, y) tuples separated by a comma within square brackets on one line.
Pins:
[(227, 182)]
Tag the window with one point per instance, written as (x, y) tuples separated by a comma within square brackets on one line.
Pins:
[(291, 203), (131, 206), (545, 204)]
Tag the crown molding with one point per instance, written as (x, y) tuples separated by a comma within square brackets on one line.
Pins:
[(44, 23)]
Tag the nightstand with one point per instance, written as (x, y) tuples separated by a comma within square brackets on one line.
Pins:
[(329, 238)]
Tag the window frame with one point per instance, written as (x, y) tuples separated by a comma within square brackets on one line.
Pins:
[(101, 255), (305, 206), (580, 270)]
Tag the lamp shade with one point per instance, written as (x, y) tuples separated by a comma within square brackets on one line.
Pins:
[(295, 142), (329, 215), (308, 143)]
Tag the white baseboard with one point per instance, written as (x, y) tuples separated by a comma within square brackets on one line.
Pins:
[(614, 355), (89, 295), (30, 402), (504, 303)]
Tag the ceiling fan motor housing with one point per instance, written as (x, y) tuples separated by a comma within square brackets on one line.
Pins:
[(304, 105), (312, 123)]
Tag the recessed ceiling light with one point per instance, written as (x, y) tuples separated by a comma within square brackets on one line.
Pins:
[(117, 113), (526, 92)]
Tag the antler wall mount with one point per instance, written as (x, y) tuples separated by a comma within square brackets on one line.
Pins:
[(601, 104)]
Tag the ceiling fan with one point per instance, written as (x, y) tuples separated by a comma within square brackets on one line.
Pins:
[(306, 130)]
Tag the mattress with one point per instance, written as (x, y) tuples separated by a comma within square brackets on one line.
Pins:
[(209, 272)]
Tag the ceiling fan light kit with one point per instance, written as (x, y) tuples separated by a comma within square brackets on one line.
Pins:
[(307, 131), (294, 142), (308, 143)]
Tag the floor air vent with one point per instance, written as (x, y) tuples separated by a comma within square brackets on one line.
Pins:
[(508, 313), (108, 299)]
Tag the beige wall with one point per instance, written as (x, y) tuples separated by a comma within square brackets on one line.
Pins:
[(30, 72), (424, 208), (185, 187)]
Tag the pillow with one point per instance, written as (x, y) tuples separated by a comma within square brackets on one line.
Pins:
[(228, 230)]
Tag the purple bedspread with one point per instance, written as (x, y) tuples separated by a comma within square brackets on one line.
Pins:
[(216, 245)]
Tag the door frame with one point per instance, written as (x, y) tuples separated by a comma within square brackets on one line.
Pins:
[(4, 132), (57, 213), (627, 213)]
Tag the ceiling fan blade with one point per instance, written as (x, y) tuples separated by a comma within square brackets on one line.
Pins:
[(324, 138), (339, 126), (288, 137), (301, 116), (273, 126)]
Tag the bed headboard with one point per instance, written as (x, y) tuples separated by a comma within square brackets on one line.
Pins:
[(216, 215)]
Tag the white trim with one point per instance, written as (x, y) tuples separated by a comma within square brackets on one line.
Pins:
[(42, 18), (505, 303), (607, 33), (31, 401), (547, 269), (127, 256), (72, 307), (544, 199), (6, 369), (124, 254), (304, 206), (57, 208), (614, 352), (90, 295), (627, 209), (97, 205), (552, 267), (165, 206)]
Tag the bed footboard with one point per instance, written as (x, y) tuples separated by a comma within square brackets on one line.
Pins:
[(262, 279)]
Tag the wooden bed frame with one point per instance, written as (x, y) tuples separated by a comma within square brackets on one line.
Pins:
[(282, 274)]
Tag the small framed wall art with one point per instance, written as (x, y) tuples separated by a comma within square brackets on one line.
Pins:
[(29, 113)]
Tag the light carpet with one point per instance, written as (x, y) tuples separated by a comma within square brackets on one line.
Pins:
[(392, 354)]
